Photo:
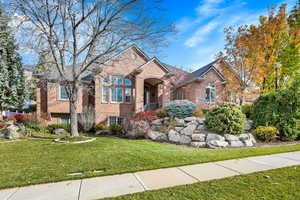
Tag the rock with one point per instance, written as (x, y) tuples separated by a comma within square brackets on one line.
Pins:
[(244, 137), (157, 136), (216, 144), (2, 135), (237, 143), (156, 127), (199, 137), (213, 136), (200, 121), (178, 129), (60, 131), (190, 119), (157, 122), (230, 137), (13, 131), (200, 127), (248, 143), (166, 118), (252, 138), (198, 144), (178, 138), (248, 125), (189, 130), (138, 129), (179, 122), (102, 132)]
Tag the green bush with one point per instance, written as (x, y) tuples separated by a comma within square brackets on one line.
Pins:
[(226, 118), (180, 108), (246, 109), (52, 127), (116, 129), (266, 133), (35, 127), (101, 127), (281, 110)]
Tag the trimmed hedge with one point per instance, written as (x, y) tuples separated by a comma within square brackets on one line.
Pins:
[(180, 108), (226, 118), (281, 110), (265, 133)]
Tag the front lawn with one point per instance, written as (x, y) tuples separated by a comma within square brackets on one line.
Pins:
[(34, 161), (275, 184)]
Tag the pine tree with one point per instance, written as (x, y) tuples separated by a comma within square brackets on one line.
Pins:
[(12, 81)]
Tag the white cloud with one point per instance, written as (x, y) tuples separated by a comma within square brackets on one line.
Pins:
[(209, 7), (201, 33)]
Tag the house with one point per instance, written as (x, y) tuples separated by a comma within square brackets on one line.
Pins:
[(129, 83)]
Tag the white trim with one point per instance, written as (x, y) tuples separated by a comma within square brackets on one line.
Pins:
[(212, 67), (123, 51), (59, 94), (151, 60)]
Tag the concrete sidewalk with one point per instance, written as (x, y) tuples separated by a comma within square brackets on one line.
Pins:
[(110, 186)]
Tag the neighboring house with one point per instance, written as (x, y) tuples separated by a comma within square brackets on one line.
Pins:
[(129, 83)]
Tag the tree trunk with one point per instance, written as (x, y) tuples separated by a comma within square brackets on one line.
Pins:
[(73, 113)]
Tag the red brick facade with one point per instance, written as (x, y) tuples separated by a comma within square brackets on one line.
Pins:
[(153, 84)]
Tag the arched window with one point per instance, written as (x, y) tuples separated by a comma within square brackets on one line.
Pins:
[(210, 93)]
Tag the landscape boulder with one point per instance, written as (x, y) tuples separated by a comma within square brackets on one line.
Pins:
[(217, 144), (60, 131), (157, 136), (199, 137), (176, 137)]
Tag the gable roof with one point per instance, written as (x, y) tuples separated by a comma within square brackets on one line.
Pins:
[(198, 74), (162, 66)]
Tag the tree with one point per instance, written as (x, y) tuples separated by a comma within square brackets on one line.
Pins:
[(81, 35), (265, 56), (12, 82)]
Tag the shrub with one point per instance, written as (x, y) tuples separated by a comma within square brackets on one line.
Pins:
[(146, 116), (226, 118), (52, 127), (180, 108), (198, 113), (161, 113), (101, 127), (116, 129), (279, 109), (266, 133), (246, 109), (34, 126), (20, 118)]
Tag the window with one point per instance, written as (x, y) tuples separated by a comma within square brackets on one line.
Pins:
[(114, 120), (63, 95), (65, 119), (128, 92), (128, 82), (120, 91), (105, 94), (210, 93), (117, 80)]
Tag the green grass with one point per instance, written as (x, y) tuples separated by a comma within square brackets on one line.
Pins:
[(34, 161), (281, 184)]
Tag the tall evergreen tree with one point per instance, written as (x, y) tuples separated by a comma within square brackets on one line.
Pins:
[(12, 81)]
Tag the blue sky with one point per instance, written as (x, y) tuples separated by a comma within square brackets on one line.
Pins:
[(200, 25)]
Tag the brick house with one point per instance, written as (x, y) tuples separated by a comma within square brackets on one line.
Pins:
[(131, 82)]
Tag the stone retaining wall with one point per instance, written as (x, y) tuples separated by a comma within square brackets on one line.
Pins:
[(191, 131)]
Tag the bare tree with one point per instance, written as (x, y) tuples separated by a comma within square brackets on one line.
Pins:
[(81, 34)]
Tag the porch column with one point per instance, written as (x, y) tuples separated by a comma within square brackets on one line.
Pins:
[(166, 92), (139, 94)]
